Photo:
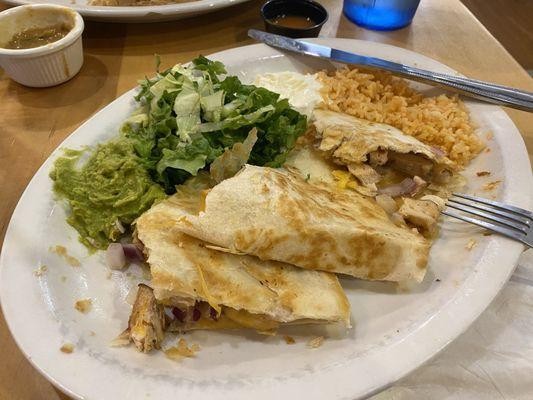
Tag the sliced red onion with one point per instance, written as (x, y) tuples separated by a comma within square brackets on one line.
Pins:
[(196, 314), (115, 257), (132, 252), (213, 314), (438, 152), (179, 314), (407, 186)]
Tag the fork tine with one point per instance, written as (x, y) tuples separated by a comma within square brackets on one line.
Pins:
[(487, 225), (497, 204), (491, 210)]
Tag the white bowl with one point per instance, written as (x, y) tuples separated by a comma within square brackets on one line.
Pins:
[(47, 65)]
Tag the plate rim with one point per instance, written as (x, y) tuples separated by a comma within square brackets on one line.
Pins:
[(135, 14), (514, 249)]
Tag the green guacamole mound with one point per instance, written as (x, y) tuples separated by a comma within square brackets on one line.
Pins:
[(106, 193)]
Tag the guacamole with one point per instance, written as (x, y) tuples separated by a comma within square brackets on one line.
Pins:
[(106, 193)]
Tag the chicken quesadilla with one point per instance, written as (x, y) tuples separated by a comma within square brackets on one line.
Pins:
[(274, 214), (379, 154), (211, 289)]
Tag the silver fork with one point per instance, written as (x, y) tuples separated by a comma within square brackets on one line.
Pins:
[(510, 221)]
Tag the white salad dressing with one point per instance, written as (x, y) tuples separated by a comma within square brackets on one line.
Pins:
[(302, 91)]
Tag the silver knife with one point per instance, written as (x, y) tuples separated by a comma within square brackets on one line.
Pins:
[(496, 94)]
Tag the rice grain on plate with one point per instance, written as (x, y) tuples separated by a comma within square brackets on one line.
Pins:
[(440, 121)]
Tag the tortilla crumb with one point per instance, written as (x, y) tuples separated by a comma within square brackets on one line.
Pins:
[(471, 244), (289, 339), (487, 150), (121, 340), (40, 271), (62, 251), (483, 173), (67, 348), (316, 342), (489, 135), (83, 306), (92, 333), (491, 185), (180, 351)]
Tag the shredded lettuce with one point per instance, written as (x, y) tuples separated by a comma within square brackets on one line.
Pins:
[(190, 115)]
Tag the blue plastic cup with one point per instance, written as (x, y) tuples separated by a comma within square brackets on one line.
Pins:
[(382, 15)]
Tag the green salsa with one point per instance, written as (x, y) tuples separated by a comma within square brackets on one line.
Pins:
[(106, 193)]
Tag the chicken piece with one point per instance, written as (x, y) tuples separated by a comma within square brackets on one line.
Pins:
[(147, 321), (411, 164), (378, 157), (423, 214), (364, 173), (441, 174)]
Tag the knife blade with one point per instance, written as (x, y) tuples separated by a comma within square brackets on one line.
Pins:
[(496, 94)]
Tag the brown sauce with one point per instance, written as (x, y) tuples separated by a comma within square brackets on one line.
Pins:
[(293, 21), (36, 37)]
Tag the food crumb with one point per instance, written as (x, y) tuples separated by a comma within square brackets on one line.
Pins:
[(92, 333), (491, 185), (62, 251), (40, 271), (67, 348), (123, 339), (487, 233), (180, 351), (483, 173), (83, 306), (489, 135), (289, 339), (437, 280), (108, 275), (315, 342), (471, 244), (487, 150)]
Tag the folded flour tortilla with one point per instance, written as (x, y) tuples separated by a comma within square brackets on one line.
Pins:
[(366, 148), (275, 214), (221, 290)]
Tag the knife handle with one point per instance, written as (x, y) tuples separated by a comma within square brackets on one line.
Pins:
[(489, 92)]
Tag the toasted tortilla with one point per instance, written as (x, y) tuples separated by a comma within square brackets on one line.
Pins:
[(275, 214), (349, 139), (244, 290)]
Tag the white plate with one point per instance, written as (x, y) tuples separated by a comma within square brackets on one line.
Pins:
[(168, 12), (394, 332)]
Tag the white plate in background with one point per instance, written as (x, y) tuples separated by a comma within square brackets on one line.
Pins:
[(159, 13)]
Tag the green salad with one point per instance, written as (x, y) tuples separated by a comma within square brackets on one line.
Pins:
[(188, 116)]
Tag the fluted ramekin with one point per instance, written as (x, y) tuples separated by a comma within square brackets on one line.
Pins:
[(47, 65)]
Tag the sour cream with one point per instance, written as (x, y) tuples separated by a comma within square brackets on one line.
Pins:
[(302, 91)]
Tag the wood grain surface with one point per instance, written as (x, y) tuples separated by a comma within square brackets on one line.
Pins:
[(34, 121)]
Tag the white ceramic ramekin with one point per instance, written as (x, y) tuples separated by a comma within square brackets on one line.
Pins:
[(47, 65)]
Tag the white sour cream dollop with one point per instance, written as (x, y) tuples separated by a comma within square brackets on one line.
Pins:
[(302, 91)]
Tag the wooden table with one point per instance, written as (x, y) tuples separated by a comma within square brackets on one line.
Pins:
[(35, 121)]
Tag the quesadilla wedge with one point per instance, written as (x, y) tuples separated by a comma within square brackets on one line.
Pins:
[(379, 155), (211, 289), (275, 214)]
